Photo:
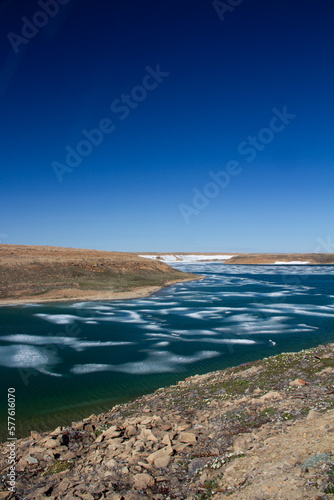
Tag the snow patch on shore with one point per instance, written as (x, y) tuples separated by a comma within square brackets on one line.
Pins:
[(187, 258)]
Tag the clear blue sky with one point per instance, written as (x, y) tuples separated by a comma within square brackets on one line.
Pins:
[(199, 82)]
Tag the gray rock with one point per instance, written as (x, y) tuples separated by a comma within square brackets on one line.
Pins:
[(314, 460), (196, 464)]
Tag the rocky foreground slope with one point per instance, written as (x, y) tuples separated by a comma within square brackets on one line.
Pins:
[(264, 430)]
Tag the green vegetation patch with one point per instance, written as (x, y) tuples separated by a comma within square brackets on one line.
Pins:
[(57, 467), (268, 412)]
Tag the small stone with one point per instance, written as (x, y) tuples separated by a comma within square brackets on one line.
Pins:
[(51, 443), (56, 432), (35, 435), (69, 455), (187, 437), (111, 433), (162, 462), (63, 485), (298, 382), (31, 460), (160, 479), (166, 440), (86, 496), (147, 435), (269, 395), (110, 463), (163, 452), (143, 481), (89, 427), (130, 430)]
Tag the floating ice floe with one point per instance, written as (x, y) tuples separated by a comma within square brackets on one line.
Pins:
[(156, 362), (28, 357), (72, 342)]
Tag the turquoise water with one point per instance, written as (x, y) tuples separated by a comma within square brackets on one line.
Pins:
[(69, 360)]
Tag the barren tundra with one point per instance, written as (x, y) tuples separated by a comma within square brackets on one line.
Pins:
[(39, 274)]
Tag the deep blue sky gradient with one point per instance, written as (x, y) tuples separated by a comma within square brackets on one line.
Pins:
[(225, 77)]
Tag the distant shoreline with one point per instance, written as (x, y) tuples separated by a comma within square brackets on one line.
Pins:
[(241, 258), (39, 274)]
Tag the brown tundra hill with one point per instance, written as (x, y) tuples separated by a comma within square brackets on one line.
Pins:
[(43, 273)]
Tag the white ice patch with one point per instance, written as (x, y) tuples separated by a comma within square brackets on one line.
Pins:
[(187, 258), (104, 315), (26, 356), (193, 332), (306, 309), (59, 319), (89, 368), (223, 341), (212, 313), (72, 342), (156, 362), (152, 327)]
